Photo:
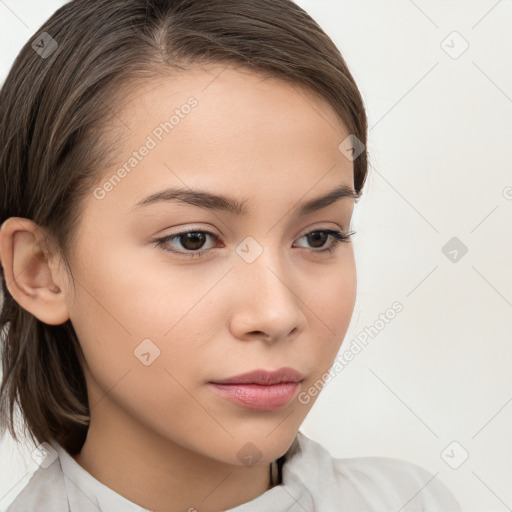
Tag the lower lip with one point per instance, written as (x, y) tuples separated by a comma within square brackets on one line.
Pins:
[(258, 397)]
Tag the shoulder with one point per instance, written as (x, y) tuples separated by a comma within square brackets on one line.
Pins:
[(396, 482), (45, 490), (374, 483)]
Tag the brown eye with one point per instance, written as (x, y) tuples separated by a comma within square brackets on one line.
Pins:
[(318, 238), (191, 242)]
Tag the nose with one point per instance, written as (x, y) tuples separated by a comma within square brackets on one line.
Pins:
[(266, 300)]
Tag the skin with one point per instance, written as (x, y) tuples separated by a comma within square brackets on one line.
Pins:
[(158, 435)]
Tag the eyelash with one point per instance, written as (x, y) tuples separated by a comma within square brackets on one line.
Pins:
[(338, 238)]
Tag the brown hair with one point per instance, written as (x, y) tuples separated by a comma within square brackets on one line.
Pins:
[(54, 106)]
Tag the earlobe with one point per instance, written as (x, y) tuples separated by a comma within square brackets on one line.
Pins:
[(27, 271)]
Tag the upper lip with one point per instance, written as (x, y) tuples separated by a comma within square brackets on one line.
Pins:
[(264, 377)]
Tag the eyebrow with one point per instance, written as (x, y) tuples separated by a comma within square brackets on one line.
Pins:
[(210, 201)]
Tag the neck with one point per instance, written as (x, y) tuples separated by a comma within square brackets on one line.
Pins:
[(158, 474)]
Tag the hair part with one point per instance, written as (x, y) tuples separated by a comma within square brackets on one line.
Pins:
[(54, 118)]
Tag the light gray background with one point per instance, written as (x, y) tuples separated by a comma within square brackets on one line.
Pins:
[(440, 151)]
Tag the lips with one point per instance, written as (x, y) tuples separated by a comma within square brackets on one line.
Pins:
[(264, 377), (260, 390)]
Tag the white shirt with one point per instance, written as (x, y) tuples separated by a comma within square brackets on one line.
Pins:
[(312, 481)]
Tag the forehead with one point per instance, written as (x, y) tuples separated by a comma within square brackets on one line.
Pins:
[(237, 102), (219, 127)]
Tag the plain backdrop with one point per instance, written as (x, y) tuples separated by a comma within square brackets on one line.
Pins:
[(434, 232)]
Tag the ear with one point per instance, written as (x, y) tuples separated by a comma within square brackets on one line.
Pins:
[(28, 271)]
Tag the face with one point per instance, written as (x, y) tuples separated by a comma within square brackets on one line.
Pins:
[(244, 290)]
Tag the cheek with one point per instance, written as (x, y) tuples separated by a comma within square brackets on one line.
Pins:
[(331, 294), (330, 307), (142, 336), (128, 314)]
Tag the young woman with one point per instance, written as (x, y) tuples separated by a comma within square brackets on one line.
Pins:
[(177, 184)]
